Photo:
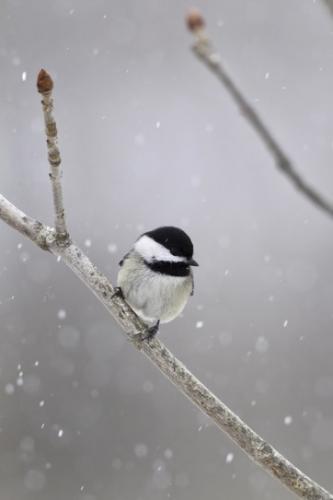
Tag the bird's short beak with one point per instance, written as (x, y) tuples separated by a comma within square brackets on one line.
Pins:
[(192, 262)]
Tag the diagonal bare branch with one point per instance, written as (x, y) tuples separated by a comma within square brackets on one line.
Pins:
[(134, 329), (205, 51)]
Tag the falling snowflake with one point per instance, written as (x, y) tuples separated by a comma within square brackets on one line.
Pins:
[(112, 247), (9, 389), (62, 314), (288, 420)]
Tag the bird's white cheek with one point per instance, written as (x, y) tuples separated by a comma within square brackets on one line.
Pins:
[(150, 250)]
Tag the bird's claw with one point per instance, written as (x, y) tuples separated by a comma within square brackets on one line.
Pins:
[(152, 331), (117, 292)]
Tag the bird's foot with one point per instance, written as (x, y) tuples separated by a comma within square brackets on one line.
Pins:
[(152, 331), (117, 292)]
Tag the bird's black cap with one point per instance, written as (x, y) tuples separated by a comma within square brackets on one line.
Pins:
[(175, 240)]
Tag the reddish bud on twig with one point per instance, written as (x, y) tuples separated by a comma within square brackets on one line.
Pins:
[(44, 82), (194, 20)]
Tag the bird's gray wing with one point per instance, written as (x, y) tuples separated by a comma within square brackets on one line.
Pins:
[(123, 259), (192, 293)]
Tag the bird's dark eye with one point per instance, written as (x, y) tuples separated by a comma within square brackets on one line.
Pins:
[(173, 251)]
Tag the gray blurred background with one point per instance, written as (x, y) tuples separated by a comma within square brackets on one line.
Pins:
[(148, 137)]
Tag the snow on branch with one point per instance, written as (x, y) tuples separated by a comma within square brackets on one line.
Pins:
[(134, 329), (205, 51), (26, 225)]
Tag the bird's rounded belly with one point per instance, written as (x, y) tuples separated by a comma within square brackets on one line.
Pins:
[(155, 297)]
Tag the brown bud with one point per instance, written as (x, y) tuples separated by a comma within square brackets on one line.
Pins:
[(44, 82), (194, 20)]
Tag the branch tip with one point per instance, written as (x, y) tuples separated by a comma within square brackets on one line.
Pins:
[(44, 82), (195, 20)]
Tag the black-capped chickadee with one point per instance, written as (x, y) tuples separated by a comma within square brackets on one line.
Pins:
[(156, 278)]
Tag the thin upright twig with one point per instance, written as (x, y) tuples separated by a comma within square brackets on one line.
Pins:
[(205, 51), (45, 87), (134, 329)]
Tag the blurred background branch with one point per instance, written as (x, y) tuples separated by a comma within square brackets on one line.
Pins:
[(206, 53), (329, 5)]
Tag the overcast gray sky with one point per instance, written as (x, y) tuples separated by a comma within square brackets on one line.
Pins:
[(149, 137)]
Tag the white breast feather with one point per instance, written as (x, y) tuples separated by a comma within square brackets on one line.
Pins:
[(152, 295)]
